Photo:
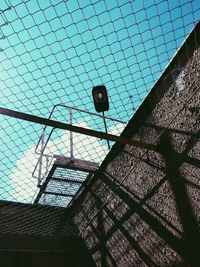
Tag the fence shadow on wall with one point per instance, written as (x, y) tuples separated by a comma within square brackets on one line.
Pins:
[(132, 231)]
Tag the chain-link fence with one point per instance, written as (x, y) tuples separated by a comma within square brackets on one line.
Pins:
[(52, 54), (142, 207)]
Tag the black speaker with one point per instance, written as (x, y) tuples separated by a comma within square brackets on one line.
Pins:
[(100, 98)]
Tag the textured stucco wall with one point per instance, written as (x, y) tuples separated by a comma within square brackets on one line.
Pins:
[(144, 209)]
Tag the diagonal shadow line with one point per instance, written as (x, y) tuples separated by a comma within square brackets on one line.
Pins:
[(147, 161), (177, 183), (156, 226), (193, 140), (102, 237), (169, 130), (131, 240), (185, 158), (98, 235), (181, 247), (192, 184), (181, 156), (191, 239), (102, 240), (163, 169), (194, 137), (147, 197)]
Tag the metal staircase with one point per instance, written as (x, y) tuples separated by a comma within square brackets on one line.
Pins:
[(60, 177)]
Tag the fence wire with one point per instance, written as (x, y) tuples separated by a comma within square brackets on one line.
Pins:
[(52, 54)]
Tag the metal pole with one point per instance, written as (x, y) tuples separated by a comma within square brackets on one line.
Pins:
[(71, 135), (40, 160), (131, 99), (81, 130), (104, 121)]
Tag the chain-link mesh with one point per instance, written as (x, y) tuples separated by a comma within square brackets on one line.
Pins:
[(143, 208), (52, 54)]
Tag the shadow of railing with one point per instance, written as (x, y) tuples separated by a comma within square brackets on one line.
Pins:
[(144, 231), (191, 234)]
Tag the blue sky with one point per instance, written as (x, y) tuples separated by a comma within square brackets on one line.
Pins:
[(56, 51)]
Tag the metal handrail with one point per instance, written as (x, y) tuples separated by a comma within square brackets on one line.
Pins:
[(70, 108), (48, 164), (44, 145)]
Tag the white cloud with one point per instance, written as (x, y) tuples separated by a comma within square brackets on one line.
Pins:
[(88, 148), (117, 128), (24, 186)]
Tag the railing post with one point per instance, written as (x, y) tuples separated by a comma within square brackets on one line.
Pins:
[(40, 160), (71, 135)]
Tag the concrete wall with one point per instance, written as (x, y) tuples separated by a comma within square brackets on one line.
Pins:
[(24, 226), (36, 235), (143, 207)]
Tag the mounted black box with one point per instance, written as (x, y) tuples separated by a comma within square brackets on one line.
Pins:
[(100, 98)]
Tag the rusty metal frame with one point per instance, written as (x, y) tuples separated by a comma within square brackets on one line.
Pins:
[(43, 144), (77, 129)]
